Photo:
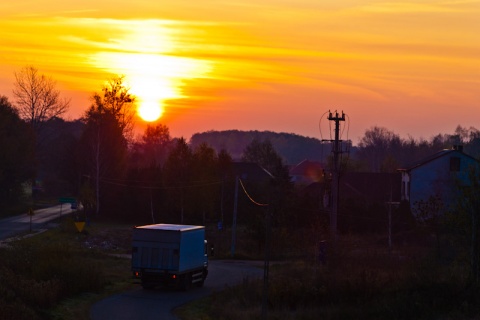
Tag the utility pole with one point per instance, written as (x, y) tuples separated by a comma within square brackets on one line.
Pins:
[(234, 222), (336, 172), (390, 204), (266, 265)]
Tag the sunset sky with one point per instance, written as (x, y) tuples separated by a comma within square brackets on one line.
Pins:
[(410, 66)]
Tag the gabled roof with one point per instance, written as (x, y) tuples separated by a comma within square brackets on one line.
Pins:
[(306, 168), (368, 187), (250, 171), (372, 187), (433, 157)]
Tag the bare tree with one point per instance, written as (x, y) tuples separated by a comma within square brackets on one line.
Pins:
[(380, 149), (37, 99)]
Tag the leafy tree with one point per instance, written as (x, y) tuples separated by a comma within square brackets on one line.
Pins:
[(155, 143), (117, 100), (280, 188), (205, 168), (468, 206), (265, 155), (225, 173), (103, 149), (178, 173), (37, 99), (87, 198), (430, 213), (292, 148), (17, 157), (57, 165), (109, 123), (147, 157)]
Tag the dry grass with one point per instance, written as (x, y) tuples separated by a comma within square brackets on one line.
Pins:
[(60, 273), (361, 280)]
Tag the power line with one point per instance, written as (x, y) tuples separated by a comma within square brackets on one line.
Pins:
[(249, 197), (127, 183)]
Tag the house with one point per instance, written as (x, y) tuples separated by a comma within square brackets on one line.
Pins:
[(250, 171), (306, 172), (437, 176), (371, 187), (364, 200), (362, 187)]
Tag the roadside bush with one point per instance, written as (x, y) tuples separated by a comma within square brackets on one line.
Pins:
[(38, 272), (16, 310), (12, 306)]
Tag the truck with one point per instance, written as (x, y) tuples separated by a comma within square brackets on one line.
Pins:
[(170, 255)]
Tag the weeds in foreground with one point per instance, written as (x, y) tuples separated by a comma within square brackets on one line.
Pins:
[(370, 285), (40, 274)]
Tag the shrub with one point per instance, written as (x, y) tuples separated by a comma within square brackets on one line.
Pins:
[(371, 285), (37, 273)]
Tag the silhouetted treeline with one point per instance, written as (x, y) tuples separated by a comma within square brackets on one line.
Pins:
[(160, 178), (379, 150), (157, 178), (17, 154), (291, 147)]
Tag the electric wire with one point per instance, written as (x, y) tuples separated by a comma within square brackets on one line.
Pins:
[(330, 128), (147, 187), (343, 128), (249, 197), (320, 125), (348, 125)]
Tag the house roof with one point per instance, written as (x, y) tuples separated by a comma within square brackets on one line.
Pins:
[(306, 168), (372, 187), (250, 171), (369, 187), (433, 157)]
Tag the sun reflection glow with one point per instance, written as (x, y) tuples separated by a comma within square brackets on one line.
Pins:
[(153, 76)]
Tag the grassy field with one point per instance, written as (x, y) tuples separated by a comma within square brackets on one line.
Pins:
[(355, 283), (60, 273)]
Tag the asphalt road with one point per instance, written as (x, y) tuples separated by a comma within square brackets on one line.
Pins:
[(12, 226), (158, 303)]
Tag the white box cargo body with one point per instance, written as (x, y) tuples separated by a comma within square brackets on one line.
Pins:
[(169, 254)]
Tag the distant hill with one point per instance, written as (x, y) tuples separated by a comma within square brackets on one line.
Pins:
[(291, 147)]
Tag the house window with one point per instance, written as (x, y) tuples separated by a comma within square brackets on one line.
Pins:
[(455, 164)]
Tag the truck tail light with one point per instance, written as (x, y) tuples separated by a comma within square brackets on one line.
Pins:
[(174, 276)]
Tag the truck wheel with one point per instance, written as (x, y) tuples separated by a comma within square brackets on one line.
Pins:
[(186, 282)]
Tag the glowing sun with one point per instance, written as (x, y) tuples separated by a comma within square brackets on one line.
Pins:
[(150, 111), (153, 73)]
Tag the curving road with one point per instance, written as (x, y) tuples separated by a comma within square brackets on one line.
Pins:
[(158, 303), (12, 226)]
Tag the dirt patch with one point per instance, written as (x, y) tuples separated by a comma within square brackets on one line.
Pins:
[(111, 239)]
